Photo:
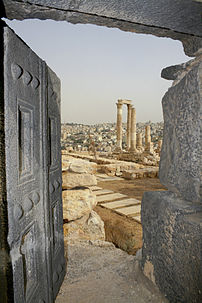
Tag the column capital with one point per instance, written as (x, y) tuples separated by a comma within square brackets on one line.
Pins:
[(119, 105)]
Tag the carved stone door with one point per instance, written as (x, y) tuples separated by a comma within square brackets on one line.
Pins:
[(33, 173), (55, 180)]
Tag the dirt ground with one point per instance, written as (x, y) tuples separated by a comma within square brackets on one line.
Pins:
[(133, 188), (101, 273), (124, 232)]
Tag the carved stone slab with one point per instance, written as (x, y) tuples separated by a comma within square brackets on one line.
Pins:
[(181, 154)]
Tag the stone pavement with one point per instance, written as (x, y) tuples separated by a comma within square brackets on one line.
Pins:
[(100, 273), (117, 202)]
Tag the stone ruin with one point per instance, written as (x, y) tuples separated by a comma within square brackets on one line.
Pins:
[(31, 238), (81, 222), (136, 152)]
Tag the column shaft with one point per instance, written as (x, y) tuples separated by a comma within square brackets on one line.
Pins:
[(133, 130), (119, 125), (129, 106), (139, 140), (147, 134)]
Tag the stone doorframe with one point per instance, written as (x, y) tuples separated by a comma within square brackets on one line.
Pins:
[(172, 225)]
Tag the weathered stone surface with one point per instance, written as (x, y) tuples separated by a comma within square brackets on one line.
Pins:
[(177, 19), (151, 172), (172, 251), (109, 169), (110, 197), (181, 154), (77, 203), (121, 203), (89, 227), (171, 72), (161, 14), (30, 176), (72, 180), (119, 167), (125, 233), (78, 165), (130, 210), (103, 192)]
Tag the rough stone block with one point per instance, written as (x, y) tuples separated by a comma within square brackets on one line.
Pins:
[(181, 154), (172, 245), (71, 180), (79, 166), (89, 227), (77, 203)]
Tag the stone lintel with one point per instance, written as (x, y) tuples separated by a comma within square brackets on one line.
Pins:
[(179, 20), (172, 250)]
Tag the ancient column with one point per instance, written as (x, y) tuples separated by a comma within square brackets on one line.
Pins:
[(119, 125), (133, 130), (147, 134), (139, 141), (129, 106), (148, 143), (159, 146)]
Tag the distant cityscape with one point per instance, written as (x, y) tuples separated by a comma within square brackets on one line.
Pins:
[(79, 137)]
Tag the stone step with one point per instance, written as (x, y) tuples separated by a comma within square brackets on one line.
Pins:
[(130, 210), (103, 192), (95, 188), (110, 197), (121, 203), (137, 218), (103, 177)]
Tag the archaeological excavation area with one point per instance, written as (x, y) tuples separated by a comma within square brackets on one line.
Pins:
[(73, 227)]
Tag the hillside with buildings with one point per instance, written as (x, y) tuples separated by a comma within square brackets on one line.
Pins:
[(79, 137)]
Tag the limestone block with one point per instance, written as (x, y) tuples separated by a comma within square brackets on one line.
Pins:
[(151, 172), (77, 203), (89, 227), (113, 169), (172, 251), (181, 154), (130, 174), (78, 165), (71, 180), (109, 169)]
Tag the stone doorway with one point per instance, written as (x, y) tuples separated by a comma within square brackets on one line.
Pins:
[(183, 202)]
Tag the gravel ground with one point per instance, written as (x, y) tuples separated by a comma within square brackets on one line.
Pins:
[(100, 273)]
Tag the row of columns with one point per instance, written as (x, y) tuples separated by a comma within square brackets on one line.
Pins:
[(134, 141), (131, 126)]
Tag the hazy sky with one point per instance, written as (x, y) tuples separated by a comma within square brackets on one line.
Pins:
[(98, 65)]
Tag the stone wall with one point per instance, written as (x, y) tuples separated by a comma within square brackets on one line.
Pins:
[(172, 220), (81, 222)]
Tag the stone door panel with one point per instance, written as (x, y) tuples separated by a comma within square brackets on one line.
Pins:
[(55, 180), (35, 235)]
